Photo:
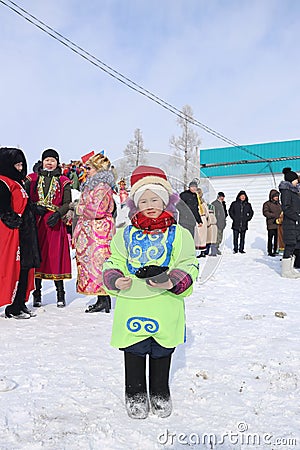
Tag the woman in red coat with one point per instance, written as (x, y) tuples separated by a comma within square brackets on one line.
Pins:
[(51, 193), (19, 250)]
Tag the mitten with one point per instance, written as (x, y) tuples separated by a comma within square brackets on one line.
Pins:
[(11, 219), (53, 219), (157, 274), (39, 210)]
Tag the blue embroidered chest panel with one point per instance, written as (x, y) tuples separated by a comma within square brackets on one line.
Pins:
[(145, 248)]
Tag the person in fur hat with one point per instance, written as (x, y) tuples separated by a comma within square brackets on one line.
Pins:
[(94, 231), (241, 213), (19, 249), (151, 269), (51, 193), (290, 202)]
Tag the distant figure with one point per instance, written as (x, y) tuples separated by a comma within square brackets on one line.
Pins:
[(190, 198), (74, 178), (201, 232), (290, 201), (241, 213), (123, 193), (212, 232), (272, 210), (221, 214), (37, 166)]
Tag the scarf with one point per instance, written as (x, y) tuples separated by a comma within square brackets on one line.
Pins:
[(153, 226)]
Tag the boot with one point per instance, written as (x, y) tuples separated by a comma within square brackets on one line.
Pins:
[(160, 398), (136, 398), (287, 269), (201, 255), (103, 303), (8, 313), (37, 294), (61, 301)]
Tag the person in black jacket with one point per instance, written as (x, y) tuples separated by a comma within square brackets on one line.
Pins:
[(189, 215), (290, 202), (241, 213)]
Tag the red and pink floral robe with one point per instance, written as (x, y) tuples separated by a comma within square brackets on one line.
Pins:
[(92, 236)]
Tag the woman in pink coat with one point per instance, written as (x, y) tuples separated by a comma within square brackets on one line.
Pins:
[(94, 231)]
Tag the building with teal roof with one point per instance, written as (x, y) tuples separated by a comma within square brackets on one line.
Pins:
[(254, 159)]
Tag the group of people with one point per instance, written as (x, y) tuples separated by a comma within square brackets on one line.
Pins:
[(206, 222), (148, 265)]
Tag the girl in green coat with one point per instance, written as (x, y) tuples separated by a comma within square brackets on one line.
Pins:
[(151, 269)]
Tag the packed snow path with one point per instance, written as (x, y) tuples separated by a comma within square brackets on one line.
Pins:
[(62, 385)]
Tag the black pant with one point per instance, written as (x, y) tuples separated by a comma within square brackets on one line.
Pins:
[(272, 241), (236, 235), (19, 300)]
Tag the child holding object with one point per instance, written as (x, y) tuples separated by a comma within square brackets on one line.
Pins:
[(151, 269)]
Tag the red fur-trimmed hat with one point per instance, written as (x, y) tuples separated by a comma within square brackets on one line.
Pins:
[(144, 175), (152, 178)]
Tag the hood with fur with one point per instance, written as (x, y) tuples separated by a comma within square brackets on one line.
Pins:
[(9, 156)]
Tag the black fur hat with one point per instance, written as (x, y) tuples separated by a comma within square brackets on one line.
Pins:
[(9, 156), (50, 153)]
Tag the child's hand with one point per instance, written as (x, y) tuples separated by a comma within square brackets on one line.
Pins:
[(123, 283), (166, 285)]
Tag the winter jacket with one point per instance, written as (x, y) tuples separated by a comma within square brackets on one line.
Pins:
[(241, 213), (142, 311), (271, 210), (290, 201), (220, 214), (191, 200)]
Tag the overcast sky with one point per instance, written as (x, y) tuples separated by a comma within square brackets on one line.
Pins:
[(236, 63)]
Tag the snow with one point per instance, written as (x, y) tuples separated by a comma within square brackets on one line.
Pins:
[(62, 385)]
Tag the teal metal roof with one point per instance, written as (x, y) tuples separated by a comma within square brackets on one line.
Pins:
[(254, 152)]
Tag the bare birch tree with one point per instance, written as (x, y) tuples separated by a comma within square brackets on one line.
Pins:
[(133, 155), (186, 148)]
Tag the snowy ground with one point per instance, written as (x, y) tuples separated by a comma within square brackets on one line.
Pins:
[(61, 384)]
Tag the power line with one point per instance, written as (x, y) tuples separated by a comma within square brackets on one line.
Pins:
[(119, 76)]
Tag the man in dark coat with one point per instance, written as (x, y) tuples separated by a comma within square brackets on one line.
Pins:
[(271, 210), (189, 214), (221, 213), (241, 213)]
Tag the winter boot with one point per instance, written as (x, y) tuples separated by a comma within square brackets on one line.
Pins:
[(287, 269), (103, 303), (160, 399), (61, 301), (136, 398), (37, 294), (10, 313)]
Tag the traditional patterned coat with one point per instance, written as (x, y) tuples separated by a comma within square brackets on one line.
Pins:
[(49, 188), (92, 236), (10, 254), (143, 311)]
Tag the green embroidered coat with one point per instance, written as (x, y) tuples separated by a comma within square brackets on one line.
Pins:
[(143, 311)]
